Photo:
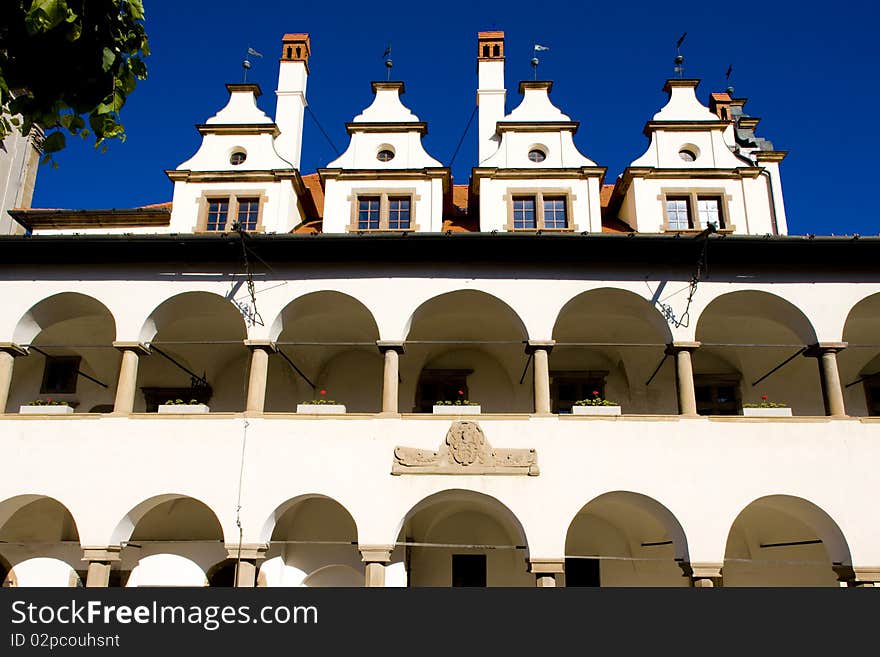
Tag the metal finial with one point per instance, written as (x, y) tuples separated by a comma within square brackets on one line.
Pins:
[(388, 66), (679, 59)]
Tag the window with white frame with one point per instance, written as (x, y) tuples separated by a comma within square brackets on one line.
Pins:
[(524, 213), (539, 211)]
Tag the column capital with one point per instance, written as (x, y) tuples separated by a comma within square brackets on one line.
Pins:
[(391, 345), (13, 349), (547, 566), (819, 348), (138, 347), (267, 345), (701, 570), (105, 553), (376, 553), (250, 551), (675, 347), (865, 574), (534, 345)]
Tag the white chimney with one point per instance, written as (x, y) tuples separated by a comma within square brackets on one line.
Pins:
[(293, 74), (491, 93)]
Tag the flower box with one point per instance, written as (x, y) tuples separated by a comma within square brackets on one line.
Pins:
[(595, 410), (780, 411), (321, 409), (46, 409), (180, 409), (461, 409)]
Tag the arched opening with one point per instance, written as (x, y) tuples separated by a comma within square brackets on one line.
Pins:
[(39, 543), (327, 339), (169, 540), (744, 337), (781, 540), (71, 358), (198, 353), (625, 539), (466, 345), (463, 538), (314, 542), (859, 363), (611, 341), (222, 575)]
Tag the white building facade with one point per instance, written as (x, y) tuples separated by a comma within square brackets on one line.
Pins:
[(369, 375)]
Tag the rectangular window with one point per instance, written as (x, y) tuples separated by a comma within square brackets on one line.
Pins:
[(218, 214), (469, 570), (368, 213), (248, 213), (582, 572), (59, 375), (524, 213), (872, 395), (555, 212), (717, 395), (709, 211), (398, 213), (567, 388), (678, 213)]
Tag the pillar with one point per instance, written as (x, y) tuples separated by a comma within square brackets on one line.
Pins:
[(704, 575), (829, 375), (684, 376), (100, 560), (540, 351), (375, 558), (390, 382), (8, 352), (247, 557), (126, 386), (259, 374), (546, 571)]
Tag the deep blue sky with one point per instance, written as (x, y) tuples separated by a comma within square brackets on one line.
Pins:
[(809, 71)]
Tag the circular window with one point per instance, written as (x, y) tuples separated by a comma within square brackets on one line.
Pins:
[(688, 153), (237, 157), (537, 155), (385, 155)]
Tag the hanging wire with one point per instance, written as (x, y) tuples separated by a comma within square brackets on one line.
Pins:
[(463, 135), (323, 132)]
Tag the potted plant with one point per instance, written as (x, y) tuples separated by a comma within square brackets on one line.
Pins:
[(47, 406), (459, 406), (320, 406), (178, 406), (595, 405), (767, 408)]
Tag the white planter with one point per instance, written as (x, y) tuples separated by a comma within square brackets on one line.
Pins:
[(179, 409), (45, 410), (321, 409), (457, 410), (595, 410), (784, 411)]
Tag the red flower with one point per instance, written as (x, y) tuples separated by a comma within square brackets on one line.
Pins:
[(595, 393), (323, 392), (764, 397), (461, 392)]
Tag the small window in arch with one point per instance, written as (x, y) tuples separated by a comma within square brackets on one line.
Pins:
[(289, 52), (687, 155), (496, 50), (485, 51), (537, 155), (385, 155), (298, 52), (237, 158)]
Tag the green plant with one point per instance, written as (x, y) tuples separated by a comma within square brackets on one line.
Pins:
[(47, 402), (321, 400), (180, 402), (595, 400), (765, 403), (456, 402)]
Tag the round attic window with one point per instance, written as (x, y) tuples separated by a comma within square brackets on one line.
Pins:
[(688, 153), (385, 155), (537, 155), (237, 157)]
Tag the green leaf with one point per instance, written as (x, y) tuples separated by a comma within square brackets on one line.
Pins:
[(54, 142), (107, 59)]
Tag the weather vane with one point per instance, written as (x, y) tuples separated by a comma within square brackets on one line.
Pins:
[(536, 47), (246, 64), (679, 59), (388, 63), (727, 77)]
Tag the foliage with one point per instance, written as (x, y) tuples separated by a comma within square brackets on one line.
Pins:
[(180, 402), (765, 403), (456, 402), (321, 400), (47, 402), (65, 62), (595, 400)]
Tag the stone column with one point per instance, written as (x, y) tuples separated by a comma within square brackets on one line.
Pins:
[(705, 575), (391, 351), (259, 373), (100, 560), (375, 558), (540, 351), (126, 386), (247, 557), (8, 352), (546, 571), (684, 376), (829, 375)]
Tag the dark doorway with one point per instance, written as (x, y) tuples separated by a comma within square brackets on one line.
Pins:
[(468, 570)]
